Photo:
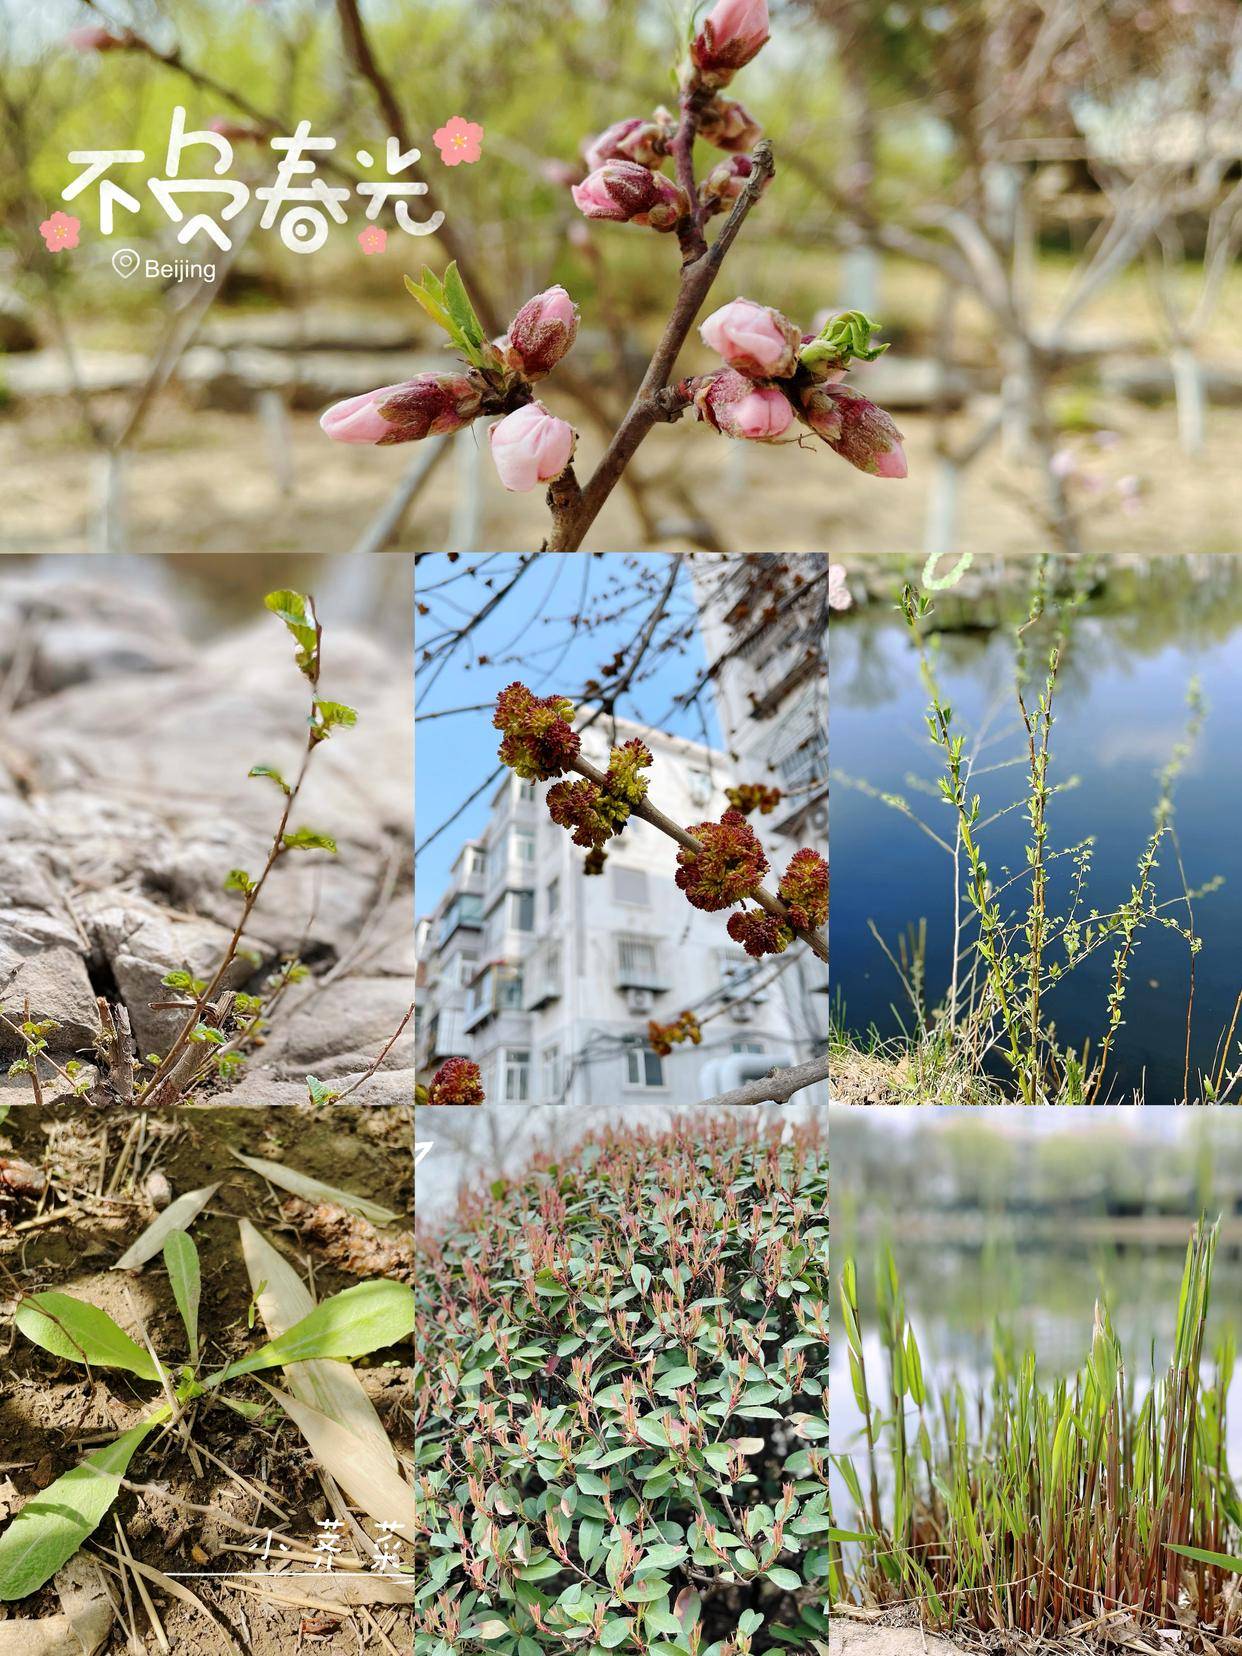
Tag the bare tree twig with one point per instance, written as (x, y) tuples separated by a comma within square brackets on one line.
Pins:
[(778, 1087)]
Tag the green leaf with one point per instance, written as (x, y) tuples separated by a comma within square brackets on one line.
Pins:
[(273, 775), (353, 1323), (297, 613), (1223, 1561), (320, 1092), (786, 1579), (181, 1259), (237, 879), (53, 1525), (616, 1631), (75, 1329), (335, 715), (308, 839), (750, 1621)]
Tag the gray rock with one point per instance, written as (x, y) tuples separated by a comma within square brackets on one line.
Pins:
[(55, 984), (124, 783), (142, 944), (343, 1029)]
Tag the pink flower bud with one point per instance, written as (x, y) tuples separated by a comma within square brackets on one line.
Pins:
[(738, 407), (726, 181), (531, 446), (729, 125), (733, 32), (633, 139), (426, 406), (754, 339), (97, 40), (855, 428), (540, 334), (628, 193)]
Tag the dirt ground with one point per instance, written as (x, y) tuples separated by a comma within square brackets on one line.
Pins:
[(51, 1411), (848, 1637), (204, 481)]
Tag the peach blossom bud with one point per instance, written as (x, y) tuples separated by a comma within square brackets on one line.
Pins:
[(729, 125), (732, 33), (633, 139), (235, 131), (97, 40), (425, 406), (628, 193), (531, 446), (738, 407), (754, 339), (540, 334), (726, 181), (855, 428)]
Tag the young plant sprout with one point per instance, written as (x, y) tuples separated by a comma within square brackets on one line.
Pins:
[(778, 383), (53, 1524)]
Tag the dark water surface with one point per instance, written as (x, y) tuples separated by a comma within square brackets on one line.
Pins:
[(1120, 709)]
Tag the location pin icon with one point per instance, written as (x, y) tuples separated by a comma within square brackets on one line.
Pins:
[(125, 262)]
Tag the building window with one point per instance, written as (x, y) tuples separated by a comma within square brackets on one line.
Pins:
[(516, 1075), (748, 1046), (524, 844), (643, 1067), (476, 860), (525, 790), (510, 994), (551, 1074), (700, 786), (466, 966), (554, 897), (637, 957), (522, 911), (629, 885), (552, 965)]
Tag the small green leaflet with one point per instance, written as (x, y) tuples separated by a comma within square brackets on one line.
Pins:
[(448, 305)]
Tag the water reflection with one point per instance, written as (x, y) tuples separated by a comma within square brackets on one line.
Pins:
[(1138, 643), (1039, 1294)]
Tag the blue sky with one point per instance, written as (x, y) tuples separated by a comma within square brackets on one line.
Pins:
[(530, 636)]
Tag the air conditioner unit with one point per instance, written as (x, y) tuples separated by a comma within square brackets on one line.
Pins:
[(639, 1000), (741, 1011)]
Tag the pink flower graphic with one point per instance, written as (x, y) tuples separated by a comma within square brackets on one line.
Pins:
[(459, 140), (373, 239), (60, 231)]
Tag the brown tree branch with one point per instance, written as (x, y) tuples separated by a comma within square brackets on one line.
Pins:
[(766, 900), (648, 408), (778, 1087)]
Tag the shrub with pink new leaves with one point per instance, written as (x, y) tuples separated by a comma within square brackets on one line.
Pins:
[(620, 1401)]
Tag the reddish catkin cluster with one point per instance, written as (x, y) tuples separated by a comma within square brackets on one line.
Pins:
[(803, 890), (729, 866), (753, 796), (457, 1081), (595, 814), (539, 741), (664, 1037)]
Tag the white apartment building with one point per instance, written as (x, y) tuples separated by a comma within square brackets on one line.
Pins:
[(547, 977), (763, 619)]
